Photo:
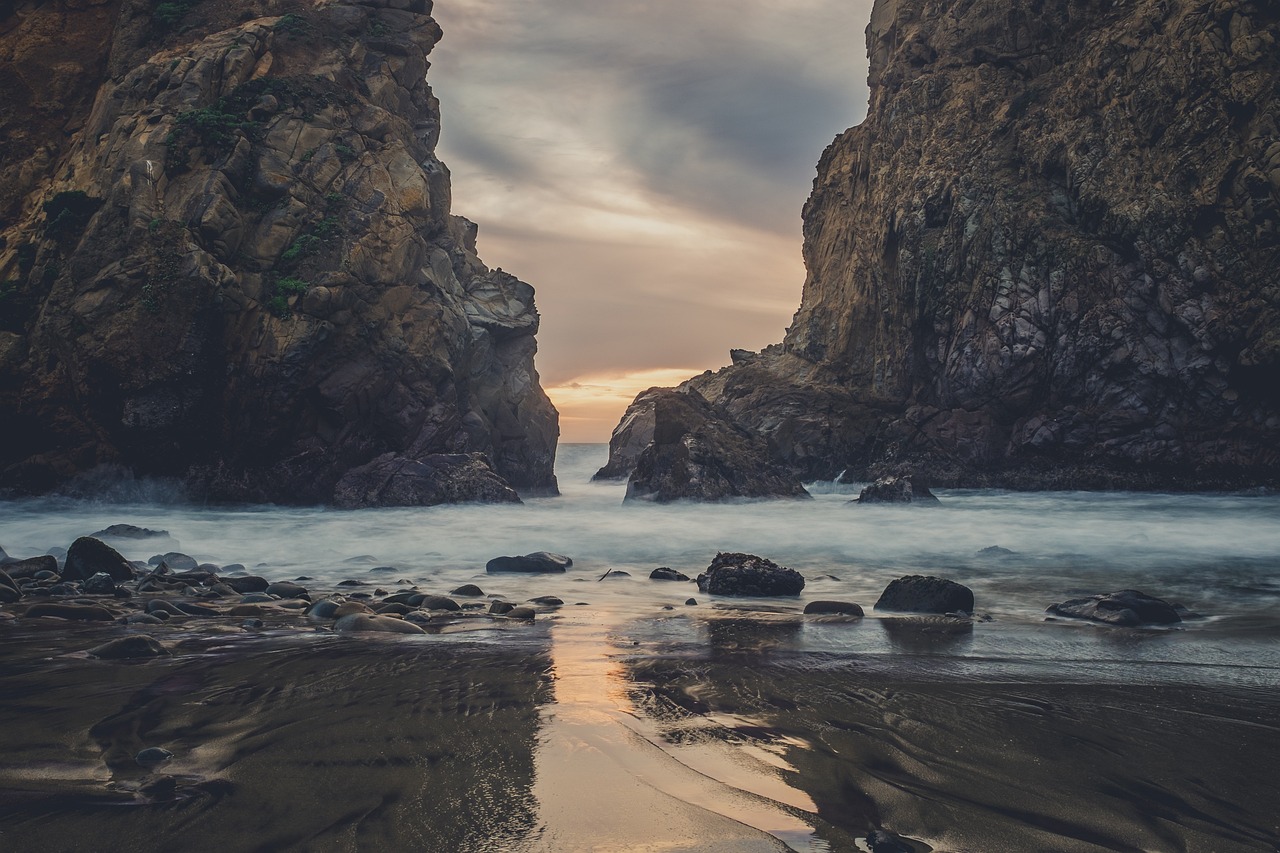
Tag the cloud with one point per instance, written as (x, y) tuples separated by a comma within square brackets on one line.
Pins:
[(643, 165)]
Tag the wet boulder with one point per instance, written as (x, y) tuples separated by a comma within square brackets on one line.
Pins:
[(662, 573), (1125, 608), (923, 594), (29, 568), (896, 490), (749, 575), (130, 531), (100, 584), (840, 608), (88, 556), (247, 584), (539, 562)]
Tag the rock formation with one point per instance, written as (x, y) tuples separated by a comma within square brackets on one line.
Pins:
[(674, 445), (227, 256), (1050, 256)]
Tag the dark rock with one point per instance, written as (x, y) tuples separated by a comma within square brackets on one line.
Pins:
[(846, 608), (63, 589), (896, 490), (5, 559), (537, 562), (616, 573), (130, 531), (159, 605), (370, 622), (88, 556), (153, 756), (196, 609), (384, 569), (143, 619), (665, 574), (692, 602), (9, 594), (438, 602), (247, 583), (1125, 608), (251, 624), (286, 589), (324, 609), (996, 551), (749, 575), (348, 608), (393, 608), (439, 478), (350, 582), (522, 612), (411, 598), (468, 589), (134, 646), (100, 584), (920, 594), (73, 612), (547, 601), (693, 452), (234, 568), (501, 608), (881, 841), (31, 566)]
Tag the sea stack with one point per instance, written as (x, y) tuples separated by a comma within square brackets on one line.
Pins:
[(228, 258)]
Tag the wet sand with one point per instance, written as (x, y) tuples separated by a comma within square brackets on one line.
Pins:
[(587, 731)]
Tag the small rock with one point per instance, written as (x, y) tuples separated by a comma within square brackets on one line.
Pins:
[(845, 608), (73, 612), (247, 583), (921, 594), (100, 584), (666, 574), (349, 608), (1125, 608), (546, 601), (748, 575), (176, 561), (324, 609), (394, 608), (143, 619), (468, 589), (886, 842), (29, 568), (501, 608), (617, 573), (9, 594), (692, 602), (153, 756), (130, 531), (538, 562), (251, 624), (522, 612), (437, 602), (996, 551), (896, 490), (134, 646), (286, 589)]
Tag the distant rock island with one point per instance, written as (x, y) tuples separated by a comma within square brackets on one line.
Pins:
[(227, 256), (1049, 258)]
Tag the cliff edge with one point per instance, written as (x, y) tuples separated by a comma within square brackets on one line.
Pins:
[(227, 256), (1049, 258)]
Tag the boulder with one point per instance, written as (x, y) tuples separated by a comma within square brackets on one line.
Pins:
[(522, 612), (663, 573), (355, 623), (88, 556), (286, 589), (247, 584), (749, 575), (176, 561), (921, 594), (100, 584), (843, 608), (1125, 608), (543, 562), (134, 646), (436, 602), (130, 531), (896, 490), (31, 567), (697, 453), (468, 589)]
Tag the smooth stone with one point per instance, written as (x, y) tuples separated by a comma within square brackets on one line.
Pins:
[(1124, 608), (256, 598), (539, 562), (522, 612), (393, 608), (403, 598), (143, 619), (9, 594), (251, 623), (286, 589), (501, 608), (617, 573), (369, 622), (234, 568), (153, 756), (247, 584), (157, 605), (100, 584), (350, 608), (666, 574), (437, 602), (73, 612), (175, 560), (846, 608), (468, 589), (88, 556), (925, 594), (546, 601), (6, 580), (324, 609), (246, 610), (134, 646), (737, 574), (692, 602)]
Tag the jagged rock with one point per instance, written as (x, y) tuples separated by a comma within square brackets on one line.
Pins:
[(896, 490), (921, 594), (88, 556), (31, 566), (843, 608), (1032, 267), (693, 452), (265, 202), (438, 478), (177, 562), (130, 531), (100, 584), (1126, 608), (537, 562), (749, 575)]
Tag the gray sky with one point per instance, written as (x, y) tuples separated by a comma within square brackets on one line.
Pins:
[(643, 166)]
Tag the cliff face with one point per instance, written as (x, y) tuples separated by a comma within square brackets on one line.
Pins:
[(231, 259), (1049, 256)]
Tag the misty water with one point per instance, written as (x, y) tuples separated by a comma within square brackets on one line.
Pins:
[(1218, 554)]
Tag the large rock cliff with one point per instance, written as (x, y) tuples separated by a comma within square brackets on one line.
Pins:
[(1050, 256), (228, 257)]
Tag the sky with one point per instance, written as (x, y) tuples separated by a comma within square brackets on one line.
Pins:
[(643, 165)]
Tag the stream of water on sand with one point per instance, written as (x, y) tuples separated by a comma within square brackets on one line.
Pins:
[(704, 727)]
